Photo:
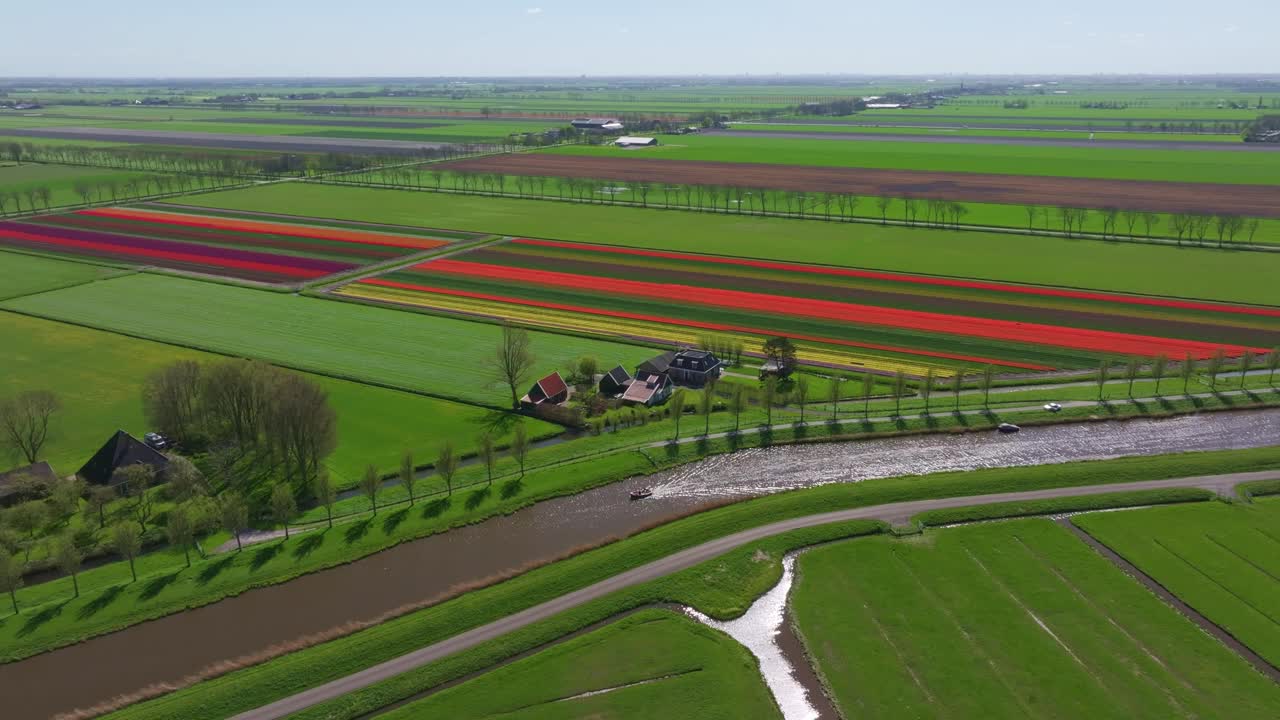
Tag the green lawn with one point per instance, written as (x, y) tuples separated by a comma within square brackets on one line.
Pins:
[(1211, 166), (439, 356), (1122, 267), (1222, 560), (22, 274), (61, 181), (688, 670), (99, 376), (764, 128), (1008, 620)]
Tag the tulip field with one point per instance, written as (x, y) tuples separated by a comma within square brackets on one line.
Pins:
[(246, 249), (838, 316)]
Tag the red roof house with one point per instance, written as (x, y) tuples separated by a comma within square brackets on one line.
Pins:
[(550, 390)]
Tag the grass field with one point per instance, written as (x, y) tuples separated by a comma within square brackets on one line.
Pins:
[(764, 128), (675, 667), (1013, 619), (439, 356), (1222, 560), (99, 377), (1183, 272), (61, 181), (22, 274), (1207, 166)]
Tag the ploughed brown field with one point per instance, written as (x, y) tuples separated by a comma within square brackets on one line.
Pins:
[(1165, 197)]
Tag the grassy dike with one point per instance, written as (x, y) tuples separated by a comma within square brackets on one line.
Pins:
[(723, 587), (109, 601)]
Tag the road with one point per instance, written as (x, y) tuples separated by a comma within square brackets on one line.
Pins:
[(891, 512), (1003, 140)]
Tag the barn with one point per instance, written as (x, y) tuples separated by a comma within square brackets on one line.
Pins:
[(597, 124), (632, 141)]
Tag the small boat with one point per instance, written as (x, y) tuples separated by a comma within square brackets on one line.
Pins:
[(641, 493), (1008, 428)]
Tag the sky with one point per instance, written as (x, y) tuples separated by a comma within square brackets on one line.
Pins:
[(434, 38)]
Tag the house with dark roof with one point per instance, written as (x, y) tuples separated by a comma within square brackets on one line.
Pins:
[(649, 390), (596, 124), (10, 491), (694, 368), (656, 365), (550, 390), (122, 450), (615, 382)]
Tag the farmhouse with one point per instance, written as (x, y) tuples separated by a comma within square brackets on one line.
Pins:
[(11, 490), (550, 390), (648, 390), (597, 124), (122, 450), (615, 382), (692, 368), (632, 141)]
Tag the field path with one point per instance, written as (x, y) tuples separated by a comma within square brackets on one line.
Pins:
[(891, 512)]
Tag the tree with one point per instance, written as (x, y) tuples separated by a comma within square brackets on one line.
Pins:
[(1215, 367), (371, 485), (1104, 373), (677, 408), (513, 361), (1188, 370), (1158, 369), (769, 398), (233, 514), (24, 421), (408, 478), (926, 389), (868, 389), (447, 464), (899, 389), (283, 505), (988, 373), (737, 403), (302, 426), (27, 518), (1131, 372), (833, 395), (520, 446), (136, 481), (883, 204), (184, 480), (169, 398), (100, 496), (69, 558), (488, 455), (707, 403), (802, 394), (126, 539), (180, 529), (1149, 221), (781, 352), (11, 577), (1246, 363), (1032, 212), (64, 497), (1273, 364), (1131, 219)]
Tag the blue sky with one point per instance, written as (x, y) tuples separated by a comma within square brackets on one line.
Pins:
[(172, 38)]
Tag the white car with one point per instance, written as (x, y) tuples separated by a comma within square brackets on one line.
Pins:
[(1052, 407)]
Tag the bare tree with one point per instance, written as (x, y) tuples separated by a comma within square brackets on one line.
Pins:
[(1158, 369), (303, 426), (1273, 364), (1109, 215), (737, 403), (926, 389), (677, 407), (707, 404), (1032, 211), (169, 398), (1130, 219), (24, 420), (988, 374), (1150, 220), (283, 505), (1187, 372), (802, 394), (408, 478), (883, 203), (100, 496), (126, 539), (371, 485), (957, 384), (447, 464), (1131, 368), (69, 558), (11, 568), (233, 515), (180, 530), (833, 396), (520, 446), (513, 360), (488, 454)]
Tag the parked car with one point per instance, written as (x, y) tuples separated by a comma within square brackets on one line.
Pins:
[(1053, 407), (1008, 428), (155, 441)]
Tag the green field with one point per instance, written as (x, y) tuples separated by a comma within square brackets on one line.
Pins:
[(439, 356), (836, 128), (1008, 620), (61, 181), (22, 274), (1211, 166), (675, 667), (1222, 560), (99, 377), (1185, 272)]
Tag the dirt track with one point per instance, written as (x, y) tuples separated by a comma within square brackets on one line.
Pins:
[(1246, 200)]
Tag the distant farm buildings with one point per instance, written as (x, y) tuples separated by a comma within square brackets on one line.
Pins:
[(656, 378), (121, 451), (632, 141), (597, 124)]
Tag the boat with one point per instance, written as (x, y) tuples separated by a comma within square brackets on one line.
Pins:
[(1008, 428), (641, 493)]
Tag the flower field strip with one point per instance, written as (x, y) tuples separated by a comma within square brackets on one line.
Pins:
[(1030, 333), (916, 279), (668, 333), (269, 228), (1146, 320), (143, 251), (716, 327), (305, 221)]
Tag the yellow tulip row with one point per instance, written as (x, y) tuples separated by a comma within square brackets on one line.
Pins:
[(626, 328)]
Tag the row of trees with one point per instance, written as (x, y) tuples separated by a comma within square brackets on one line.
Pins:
[(1114, 223)]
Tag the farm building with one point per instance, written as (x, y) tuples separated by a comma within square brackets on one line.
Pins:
[(648, 390), (550, 390), (10, 488), (122, 450), (632, 141), (597, 124), (615, 382), (691, 368)]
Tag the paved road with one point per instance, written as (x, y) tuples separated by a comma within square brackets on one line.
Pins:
[(1003, 140), (891, 512), (233, 141)]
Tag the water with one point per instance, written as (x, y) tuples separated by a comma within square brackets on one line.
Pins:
[(432, 568)]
